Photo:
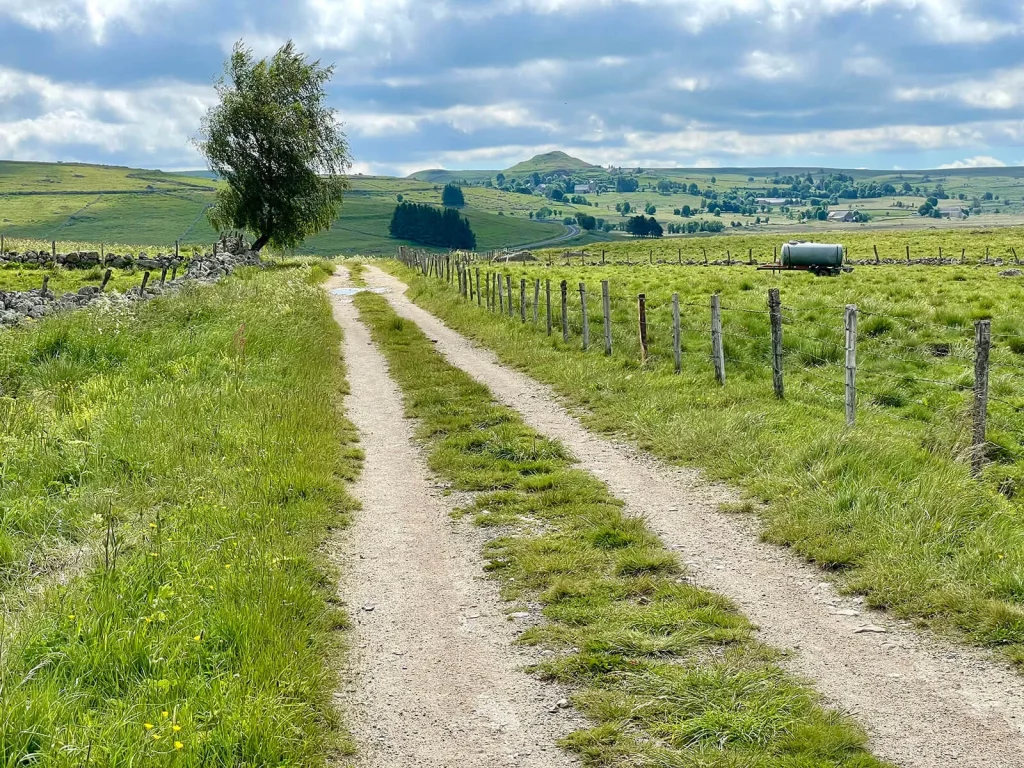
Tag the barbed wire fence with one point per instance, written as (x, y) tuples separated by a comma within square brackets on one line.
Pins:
[(836, 364)]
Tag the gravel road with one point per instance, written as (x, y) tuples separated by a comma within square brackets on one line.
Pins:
[(434, 679)]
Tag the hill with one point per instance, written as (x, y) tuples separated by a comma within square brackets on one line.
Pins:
[(109, 204), (550, 162)]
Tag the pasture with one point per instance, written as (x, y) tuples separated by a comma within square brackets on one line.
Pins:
[(890, 504)]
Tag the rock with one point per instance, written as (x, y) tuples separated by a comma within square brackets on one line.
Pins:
[(369, 607), (870, 628), (562, 703), (519, 615), (1011, 273), (846, 612)]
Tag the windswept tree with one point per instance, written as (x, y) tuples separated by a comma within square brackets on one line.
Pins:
[(278, 146)]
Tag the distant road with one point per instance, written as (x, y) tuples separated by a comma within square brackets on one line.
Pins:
[(571, 231)]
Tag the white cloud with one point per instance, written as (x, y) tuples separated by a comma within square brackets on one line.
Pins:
[(865, 66), (690, 84), (461, 117), (1002, 90), (978, 161), (154, 120), (762, 65), (96, 16)]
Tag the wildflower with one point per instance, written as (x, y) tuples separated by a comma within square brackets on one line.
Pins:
[(152, 525), (175, 727), (228, 565), (157, 737), (165, 713), (178, 745), (198, 638), (149, 726), (72, 616)]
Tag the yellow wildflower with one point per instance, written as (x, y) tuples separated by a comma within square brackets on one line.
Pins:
[(175, 727), (178, 745), (165, 713), (149, 726), (157, 737)]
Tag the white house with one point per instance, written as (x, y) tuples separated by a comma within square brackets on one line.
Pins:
[(841, 215), (952, 213), (582, 189)]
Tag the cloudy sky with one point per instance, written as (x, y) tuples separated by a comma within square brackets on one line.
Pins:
[(486, 83)]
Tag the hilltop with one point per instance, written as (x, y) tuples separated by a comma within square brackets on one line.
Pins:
[(550, 162)]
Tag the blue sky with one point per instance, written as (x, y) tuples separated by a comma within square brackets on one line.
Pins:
[(484, 84)]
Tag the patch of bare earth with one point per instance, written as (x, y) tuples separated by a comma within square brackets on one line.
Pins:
[(925, 702), (435, 678)]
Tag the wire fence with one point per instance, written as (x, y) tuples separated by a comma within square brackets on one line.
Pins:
[(815, 354)]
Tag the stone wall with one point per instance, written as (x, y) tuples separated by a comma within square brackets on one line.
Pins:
[(15, 306)]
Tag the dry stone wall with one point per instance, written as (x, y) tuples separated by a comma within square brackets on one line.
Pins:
[(228, 255)]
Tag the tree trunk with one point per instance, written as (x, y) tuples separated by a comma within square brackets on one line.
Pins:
[(262, 241)]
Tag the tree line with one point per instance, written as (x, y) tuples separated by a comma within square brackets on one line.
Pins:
[(427, 225)]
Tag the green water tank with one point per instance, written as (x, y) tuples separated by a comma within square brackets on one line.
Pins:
[(800, 254)]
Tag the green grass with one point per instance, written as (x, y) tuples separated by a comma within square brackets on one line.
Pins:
[(194, 445), (22, 277), (889, 506), (667, 672)]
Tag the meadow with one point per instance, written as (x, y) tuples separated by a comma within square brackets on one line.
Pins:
[(889, 505), (100, 204), (170, 470)]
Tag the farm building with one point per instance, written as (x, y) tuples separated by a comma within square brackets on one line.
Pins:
[(842, 216), (772, 200), (582, 189), (952, 213)]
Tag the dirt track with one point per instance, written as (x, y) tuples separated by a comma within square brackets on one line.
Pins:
[(925, 703), (435, 680)]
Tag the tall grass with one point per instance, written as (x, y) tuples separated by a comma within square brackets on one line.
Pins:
[(194, 444), (668, 672), (890, 506)]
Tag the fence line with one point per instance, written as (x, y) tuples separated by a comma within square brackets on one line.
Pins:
[(780, 323)]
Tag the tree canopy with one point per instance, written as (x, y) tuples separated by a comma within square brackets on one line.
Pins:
[(639, 226), (452, 197), (430, 226), (278, 146)]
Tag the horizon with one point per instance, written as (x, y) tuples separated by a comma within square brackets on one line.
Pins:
[(885, 85)]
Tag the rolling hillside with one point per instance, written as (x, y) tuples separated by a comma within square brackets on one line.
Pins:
[(106, 204)]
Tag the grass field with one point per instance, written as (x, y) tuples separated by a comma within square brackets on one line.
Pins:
[(668, 673), (889, 506), (100, 204), (169, 474)]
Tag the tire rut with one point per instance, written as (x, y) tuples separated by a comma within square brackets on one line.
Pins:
[(925, 702), (433, 679)]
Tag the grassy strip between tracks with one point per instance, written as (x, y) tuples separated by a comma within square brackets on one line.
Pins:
[(667, 672), (884, 505), (194, 446)]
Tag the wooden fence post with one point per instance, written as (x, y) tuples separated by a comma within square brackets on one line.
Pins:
[(851, 364), (705, 250), (586, 320), (602, 258), (501, 295), (508, 294), (174, 273), (982, 345), (490, 296), (106, 279), (877, 259), (478, 300), (565, 311), (53, 249), (679, 256), (908, 254), (677, 334), (145, 279), (606, 310), (641, 301), (547, 297), (46, 284), (775, 314), (717, 348), (522, 299), (4, 249), (536, 299), (163, 276)]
